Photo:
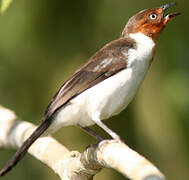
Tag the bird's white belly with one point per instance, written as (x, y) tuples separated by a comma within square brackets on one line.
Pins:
[(106, 99), (111, 96)]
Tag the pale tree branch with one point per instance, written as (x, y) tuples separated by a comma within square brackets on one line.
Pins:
[(72, 165)]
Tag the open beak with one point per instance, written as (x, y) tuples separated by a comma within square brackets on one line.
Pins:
[(168, 17)]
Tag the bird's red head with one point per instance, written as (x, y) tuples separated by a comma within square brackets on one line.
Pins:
[(149, 22)]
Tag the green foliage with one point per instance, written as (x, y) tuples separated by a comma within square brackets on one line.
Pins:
[(4, 4)]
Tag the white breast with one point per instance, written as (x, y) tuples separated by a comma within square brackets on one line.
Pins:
[(113, 94), (143, 53)]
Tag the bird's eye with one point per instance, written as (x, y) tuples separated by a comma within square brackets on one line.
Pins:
[(153, 16)]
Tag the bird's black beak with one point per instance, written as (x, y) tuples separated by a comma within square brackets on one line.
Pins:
[(169, 16)]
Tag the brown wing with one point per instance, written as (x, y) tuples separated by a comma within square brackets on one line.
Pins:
[(105, 63)]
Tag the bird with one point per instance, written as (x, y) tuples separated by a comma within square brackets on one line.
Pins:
[(106, 83)]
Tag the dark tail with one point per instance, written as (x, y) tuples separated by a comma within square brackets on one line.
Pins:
[(23, 149)]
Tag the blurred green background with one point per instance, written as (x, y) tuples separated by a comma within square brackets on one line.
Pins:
[(42, 42)]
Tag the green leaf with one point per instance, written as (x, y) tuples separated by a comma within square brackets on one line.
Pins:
[(4, 4)]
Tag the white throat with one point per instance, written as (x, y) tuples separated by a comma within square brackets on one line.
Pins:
[(142, 39), (143, 52)]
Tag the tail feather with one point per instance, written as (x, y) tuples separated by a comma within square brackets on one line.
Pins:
[(23, 149)]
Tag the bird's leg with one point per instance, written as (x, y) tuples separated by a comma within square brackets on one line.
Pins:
[(108, 130), (92, 133)]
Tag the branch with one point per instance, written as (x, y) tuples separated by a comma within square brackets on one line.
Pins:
[(72, 165)]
